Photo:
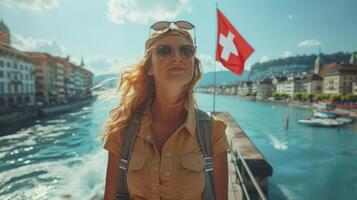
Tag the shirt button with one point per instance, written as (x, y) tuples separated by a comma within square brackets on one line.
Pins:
[(156, 168), (169, 154), (155, 188), (167, 173), (148, 137), (166, 196)]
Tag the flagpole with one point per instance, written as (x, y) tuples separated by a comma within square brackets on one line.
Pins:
[(214, 60)]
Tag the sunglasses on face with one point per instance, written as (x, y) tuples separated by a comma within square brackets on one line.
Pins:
[(164, 51), (164, 25)]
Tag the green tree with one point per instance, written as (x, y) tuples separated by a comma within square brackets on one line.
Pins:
[(298, 96)]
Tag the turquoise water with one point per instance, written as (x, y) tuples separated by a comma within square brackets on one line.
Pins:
[(60, 156)]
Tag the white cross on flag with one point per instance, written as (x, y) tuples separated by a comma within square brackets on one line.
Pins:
[(232, 49)]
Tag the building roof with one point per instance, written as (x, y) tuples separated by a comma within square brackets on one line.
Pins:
[(9, 50), (315, 77), (327, 69), (338, 68), (266, 81), (3, 27)]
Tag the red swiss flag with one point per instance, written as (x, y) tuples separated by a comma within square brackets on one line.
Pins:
[(232, 49)]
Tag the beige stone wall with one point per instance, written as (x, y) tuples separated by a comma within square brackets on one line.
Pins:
[(354, 88), (316, 87), (347, 83), (331, 84)]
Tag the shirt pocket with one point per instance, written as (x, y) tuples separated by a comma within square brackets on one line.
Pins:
[(192, 176), (137, 161), (136, 176), (193, 162)]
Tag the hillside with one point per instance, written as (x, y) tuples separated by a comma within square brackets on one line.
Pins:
[(293, 65)]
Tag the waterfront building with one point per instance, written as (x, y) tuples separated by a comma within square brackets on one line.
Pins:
[(17, 80), (229, 89), (354, 88), (339, 77), (78, 82), (278, 85), (254, 88), (290, 86), (279, 88), (245, 88), (264, 89), (87, 80), (312, 84), (50, 88), (69, 76)]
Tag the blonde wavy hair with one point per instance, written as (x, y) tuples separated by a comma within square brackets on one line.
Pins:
[(137, 91)]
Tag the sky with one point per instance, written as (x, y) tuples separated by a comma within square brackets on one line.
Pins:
[(110, 34)]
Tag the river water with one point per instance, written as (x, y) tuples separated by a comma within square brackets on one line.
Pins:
[(61, 158)]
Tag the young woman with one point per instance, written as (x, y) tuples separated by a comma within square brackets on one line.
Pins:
[(166, 161)]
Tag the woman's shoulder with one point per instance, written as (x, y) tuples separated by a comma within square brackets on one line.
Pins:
[(219, 124)]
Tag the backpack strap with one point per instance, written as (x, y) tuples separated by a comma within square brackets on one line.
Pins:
[(204, 135), (128, 137)]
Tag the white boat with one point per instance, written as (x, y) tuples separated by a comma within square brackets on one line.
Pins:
[(331, 115), (345, 120), (324, 106), (321, 122), (325, 115)]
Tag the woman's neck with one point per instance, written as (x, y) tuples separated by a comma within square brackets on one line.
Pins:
[(168, 106)]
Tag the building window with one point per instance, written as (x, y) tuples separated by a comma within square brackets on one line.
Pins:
[(1, 63), (1, 74), (8, 64), (15, 65), (2, 89), (9, 75)]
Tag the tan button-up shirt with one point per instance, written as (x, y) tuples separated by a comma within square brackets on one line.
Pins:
[(178, 173)]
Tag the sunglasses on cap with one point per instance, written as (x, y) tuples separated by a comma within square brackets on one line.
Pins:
[(182, 25), (186, 51)]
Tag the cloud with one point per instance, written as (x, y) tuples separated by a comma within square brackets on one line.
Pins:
[(286, 54), (42, 45), (264, 59), (309, 43), (141, 11), (106, 65), (32, 5)]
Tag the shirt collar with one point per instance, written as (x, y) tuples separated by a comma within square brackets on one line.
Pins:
[(190, 123), (145, 130)]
